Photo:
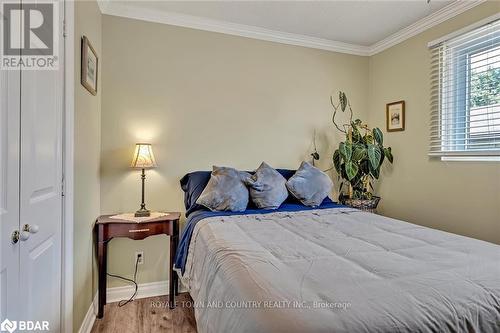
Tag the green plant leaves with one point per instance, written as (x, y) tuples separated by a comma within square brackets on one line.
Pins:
[(343, 173), (359, 152), (337, 161), (359, 158), (367, 138), (365, 166), (378, 136), (356, 135), (343, 101), (375, 172), (374, 155), (388, 154), (345, 149), (351, 170)]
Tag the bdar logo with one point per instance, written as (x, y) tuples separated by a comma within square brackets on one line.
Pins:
[(8, 325)]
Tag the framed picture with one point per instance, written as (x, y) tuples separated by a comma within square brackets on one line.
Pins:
[(395, 116), (90, 65)]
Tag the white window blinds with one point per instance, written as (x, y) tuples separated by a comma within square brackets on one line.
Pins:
[(465, 93)]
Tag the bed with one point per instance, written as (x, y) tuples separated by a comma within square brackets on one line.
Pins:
[(335, 269)]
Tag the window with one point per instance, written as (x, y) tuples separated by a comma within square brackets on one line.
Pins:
[(465, 93)]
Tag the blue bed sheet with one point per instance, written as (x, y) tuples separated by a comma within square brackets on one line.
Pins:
[(197, 216)]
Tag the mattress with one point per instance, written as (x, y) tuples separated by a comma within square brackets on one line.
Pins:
[(339, 270)]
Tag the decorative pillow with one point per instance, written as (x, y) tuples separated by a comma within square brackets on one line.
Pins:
[(225, 190), (193, 184), (310, 185), (267, 187)]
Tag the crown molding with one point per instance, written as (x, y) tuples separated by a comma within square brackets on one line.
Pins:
[(103, 5), (124, 9), (438, 17), (187, 21), (475, 25)]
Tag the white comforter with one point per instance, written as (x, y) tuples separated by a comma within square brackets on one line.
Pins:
[(339, 270)]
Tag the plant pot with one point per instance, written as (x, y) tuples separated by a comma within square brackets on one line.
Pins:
[(368, 205)]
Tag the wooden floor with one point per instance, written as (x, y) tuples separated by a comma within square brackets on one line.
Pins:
[(148, 315)]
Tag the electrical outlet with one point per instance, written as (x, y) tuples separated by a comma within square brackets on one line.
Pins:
[(139, 257)]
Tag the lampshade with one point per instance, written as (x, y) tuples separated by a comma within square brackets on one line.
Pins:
[(143, 156)]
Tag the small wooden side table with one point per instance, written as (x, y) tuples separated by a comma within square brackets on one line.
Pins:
[(107, 228)]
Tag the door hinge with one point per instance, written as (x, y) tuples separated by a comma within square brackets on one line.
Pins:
[(62, 186), (65, 34)]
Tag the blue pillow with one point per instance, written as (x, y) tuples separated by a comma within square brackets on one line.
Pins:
[(195, 182), (193, 185)]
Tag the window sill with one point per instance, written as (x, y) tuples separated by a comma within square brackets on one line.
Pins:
[(471, 158)]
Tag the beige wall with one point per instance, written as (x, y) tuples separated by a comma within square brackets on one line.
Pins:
[(461, 197), (204, 98), (87, 163)]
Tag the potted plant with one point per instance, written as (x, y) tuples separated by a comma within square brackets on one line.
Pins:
[(358, 159)]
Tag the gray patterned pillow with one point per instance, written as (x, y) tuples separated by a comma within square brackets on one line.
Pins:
[(225, 190), (267, 187), (310, 185)]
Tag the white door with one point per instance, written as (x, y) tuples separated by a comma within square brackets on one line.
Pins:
[(9, 193), (41, 191), (31, 104)]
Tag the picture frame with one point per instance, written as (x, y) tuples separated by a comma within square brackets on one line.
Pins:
[(395, 116), (89, 66)]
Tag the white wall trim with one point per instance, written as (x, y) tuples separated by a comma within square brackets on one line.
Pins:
[(116, 294), (150, 289), (88, 321), (123, 9), (68, 169), (438, 17), (464, 30)]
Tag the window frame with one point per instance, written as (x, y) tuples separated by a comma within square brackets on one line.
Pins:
[(455, 98)]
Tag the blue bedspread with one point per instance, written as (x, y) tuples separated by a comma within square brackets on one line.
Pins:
[(197, 216)]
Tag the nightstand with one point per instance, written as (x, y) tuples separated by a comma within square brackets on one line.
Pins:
[(107, 228)]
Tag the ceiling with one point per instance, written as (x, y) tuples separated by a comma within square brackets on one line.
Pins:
[(358, 24)]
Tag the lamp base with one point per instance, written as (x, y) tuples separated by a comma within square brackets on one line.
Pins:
[(142, 213)]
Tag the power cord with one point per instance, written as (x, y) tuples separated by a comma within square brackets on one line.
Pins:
[(125, 302)]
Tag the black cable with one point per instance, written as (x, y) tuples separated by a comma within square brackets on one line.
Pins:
[(125, 302)]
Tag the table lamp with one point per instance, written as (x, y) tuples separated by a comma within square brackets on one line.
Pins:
[(143, 159)]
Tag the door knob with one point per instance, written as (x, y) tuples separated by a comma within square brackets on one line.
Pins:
[(24, 235), (30, 228), (15, 237)]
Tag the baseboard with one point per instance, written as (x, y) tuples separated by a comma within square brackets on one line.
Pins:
[(89, 319), (116, 294), (144, 290)]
